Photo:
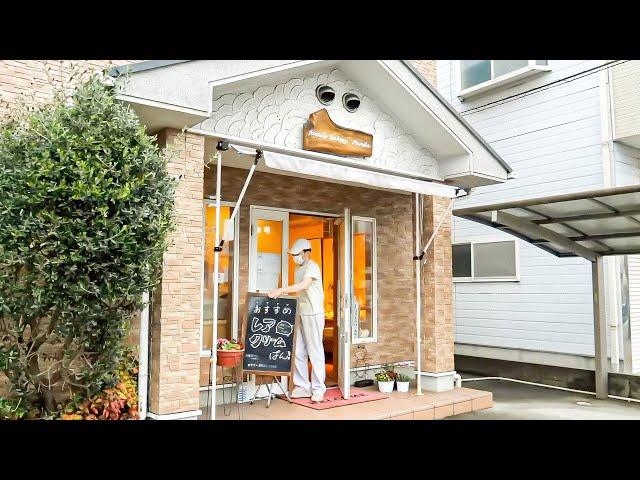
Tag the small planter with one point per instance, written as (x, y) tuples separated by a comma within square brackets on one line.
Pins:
[(402, 386), (385, 387), (229, 358)]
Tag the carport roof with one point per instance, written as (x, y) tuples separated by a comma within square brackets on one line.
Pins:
[(585, 224)]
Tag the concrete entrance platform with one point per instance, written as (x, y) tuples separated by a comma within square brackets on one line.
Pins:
[(399, 406)]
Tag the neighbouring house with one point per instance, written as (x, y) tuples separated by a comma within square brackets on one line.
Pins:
[(361, 213), (564, 126)]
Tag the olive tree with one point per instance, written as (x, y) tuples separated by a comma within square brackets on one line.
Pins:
[(85, 210)]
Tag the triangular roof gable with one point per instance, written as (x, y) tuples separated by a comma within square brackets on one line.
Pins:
[(427, 126)]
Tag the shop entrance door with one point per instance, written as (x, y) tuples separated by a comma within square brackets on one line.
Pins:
[(345, 300)]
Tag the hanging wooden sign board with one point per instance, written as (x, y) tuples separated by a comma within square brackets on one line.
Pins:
[(320, 134)]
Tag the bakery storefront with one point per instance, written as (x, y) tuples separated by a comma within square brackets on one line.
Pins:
[(362, 158)]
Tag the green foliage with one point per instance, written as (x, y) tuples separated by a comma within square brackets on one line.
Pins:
[(85, 209), (11, 410), (383, 377), (401, 377), (115, 403)]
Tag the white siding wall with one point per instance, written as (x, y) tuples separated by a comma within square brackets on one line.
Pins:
[(552, 139), (627, 162), (634, 309), (626, 99)]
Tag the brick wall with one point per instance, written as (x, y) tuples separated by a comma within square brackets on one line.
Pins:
[(437, 300), (175, 327), (33, 81), (427, 69)]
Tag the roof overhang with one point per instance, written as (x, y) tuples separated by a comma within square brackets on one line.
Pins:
[(179, 94), (586, 224)]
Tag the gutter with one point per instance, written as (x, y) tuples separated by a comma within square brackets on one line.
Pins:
[(141, 66)]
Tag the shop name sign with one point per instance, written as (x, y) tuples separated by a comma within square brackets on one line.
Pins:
[(320, 134)]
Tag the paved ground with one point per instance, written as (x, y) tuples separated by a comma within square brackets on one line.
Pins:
[(516, 401)]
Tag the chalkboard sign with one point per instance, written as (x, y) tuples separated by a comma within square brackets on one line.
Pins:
[(269, 334)]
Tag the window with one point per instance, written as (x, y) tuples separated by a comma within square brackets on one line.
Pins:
[(364, 279), (480, 75), (486, 261), (226, 318)]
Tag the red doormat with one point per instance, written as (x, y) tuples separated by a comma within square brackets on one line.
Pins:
[(333, 398)]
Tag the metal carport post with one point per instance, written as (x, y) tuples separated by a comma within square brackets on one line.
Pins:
[(532, 230)]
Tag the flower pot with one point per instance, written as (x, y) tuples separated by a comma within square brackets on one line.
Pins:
[(385, 387), (402, 386), (229, 358)]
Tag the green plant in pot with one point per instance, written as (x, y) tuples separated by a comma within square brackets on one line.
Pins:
[(385, 382), (402, 382)]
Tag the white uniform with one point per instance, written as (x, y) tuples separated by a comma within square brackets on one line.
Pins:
[(309, 339)]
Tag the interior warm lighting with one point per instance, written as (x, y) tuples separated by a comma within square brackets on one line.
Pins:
[(259, 230), (267, 229)]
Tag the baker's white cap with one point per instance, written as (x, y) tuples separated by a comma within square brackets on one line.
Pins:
[(299, 245)]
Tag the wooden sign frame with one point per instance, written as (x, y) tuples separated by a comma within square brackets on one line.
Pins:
[(296, 325), (321, 134)]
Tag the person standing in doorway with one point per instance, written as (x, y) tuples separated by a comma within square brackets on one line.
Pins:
[(308, 285)]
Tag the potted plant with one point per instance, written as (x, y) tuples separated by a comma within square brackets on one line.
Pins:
[(390, 370), (229, 352), (402, 382), (385, 382)]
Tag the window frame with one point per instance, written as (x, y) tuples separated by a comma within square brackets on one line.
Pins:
[(356, 340), (473, 278), (532, 68)]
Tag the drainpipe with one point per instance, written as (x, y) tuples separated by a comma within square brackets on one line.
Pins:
[(609, 180), (143, 358)]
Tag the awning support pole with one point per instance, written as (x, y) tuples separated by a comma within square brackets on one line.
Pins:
[(216, 258), (246, 185), (600, 328), (418, 296)]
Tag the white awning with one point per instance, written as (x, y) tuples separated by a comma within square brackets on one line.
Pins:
[(363, 176)]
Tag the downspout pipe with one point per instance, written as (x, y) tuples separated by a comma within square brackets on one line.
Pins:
[(143, 359), (609, 180)]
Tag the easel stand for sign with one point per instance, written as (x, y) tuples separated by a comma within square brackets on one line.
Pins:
[(274, 378), (269, 337)]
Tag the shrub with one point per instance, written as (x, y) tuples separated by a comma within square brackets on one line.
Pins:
[(10, 410), (85, 209), (116, 403)]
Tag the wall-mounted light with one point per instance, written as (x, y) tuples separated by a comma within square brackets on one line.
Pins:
[(325, 94), (351, 102), (267, 229)]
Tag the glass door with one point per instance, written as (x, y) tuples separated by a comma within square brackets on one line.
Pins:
[(268, 258), (345, 296)]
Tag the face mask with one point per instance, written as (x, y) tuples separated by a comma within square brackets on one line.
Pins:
[(298, 259)]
